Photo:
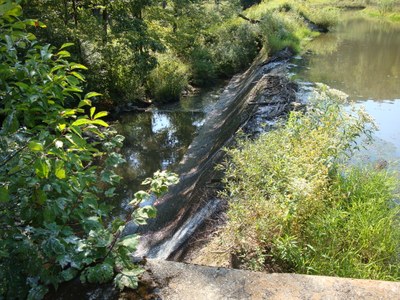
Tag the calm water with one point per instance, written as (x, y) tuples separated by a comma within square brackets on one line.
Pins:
[(362, 58), (157, 140)]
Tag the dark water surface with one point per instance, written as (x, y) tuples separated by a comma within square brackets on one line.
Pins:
[(157, 140), (361, 57)]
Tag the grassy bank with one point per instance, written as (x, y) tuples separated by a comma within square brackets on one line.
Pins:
[(293, 207)]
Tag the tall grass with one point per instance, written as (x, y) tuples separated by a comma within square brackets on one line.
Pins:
[(295, 208)]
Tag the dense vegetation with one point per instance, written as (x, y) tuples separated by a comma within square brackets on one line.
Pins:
[(58, 154), (295, 208), (57, 164), (153, 50)]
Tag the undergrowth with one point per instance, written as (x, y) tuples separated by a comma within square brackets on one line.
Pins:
[(294, 207)]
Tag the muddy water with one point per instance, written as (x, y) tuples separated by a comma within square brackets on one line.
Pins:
[(362, 58)]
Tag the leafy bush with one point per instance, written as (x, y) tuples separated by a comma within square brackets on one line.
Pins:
[(56, 172), (279, 34), (295, 208), (167, 81), (234, 46), (202, 67)]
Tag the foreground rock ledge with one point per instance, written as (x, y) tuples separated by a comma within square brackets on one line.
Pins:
[(186, 281)]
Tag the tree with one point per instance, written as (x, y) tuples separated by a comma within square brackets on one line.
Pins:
[(57, 166)]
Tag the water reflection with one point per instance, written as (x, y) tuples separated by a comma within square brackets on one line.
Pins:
[(361, 57), (158, 139)]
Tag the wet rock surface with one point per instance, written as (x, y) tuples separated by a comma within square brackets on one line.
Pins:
[(178, 281)]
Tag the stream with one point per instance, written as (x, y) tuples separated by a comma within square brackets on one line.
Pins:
[(361, 57), (158, 139)]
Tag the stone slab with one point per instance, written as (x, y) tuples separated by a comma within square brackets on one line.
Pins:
[(180, 281)]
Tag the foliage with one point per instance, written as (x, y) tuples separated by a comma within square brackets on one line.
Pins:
[(169, 79), (111, 38), (56, 172), (386, 6), (294, 208), (234, 46)]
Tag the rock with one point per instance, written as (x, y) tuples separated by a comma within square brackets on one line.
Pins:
[(178, 281)]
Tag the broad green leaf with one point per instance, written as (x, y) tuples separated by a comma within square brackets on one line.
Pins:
[(60, 170), (128, 279), (100, 114), (92, 94), (130, 241), (85, 102), (80, 122), (4, 195), (74, 66), (22, 85), (11, 123), (99, 122), (63, 53), (65, 45), (141, 195), (35, 146), (42, 168), (61, 127), (110, 192), (78, 75), (68, 112)]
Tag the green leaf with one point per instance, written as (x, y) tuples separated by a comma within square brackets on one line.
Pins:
[(110, 192), (63, 54), (35, 146), (80, 122), (37, 292), (130, 241), (92, 94), (74, 66), (99, 122), (11, 123), (39, 196), (78, 75), (22, 85), (84, 102), (65, 45), (98, 274), (127, 279), (4, 195), (92, 110), (60, 170), (42, 168), (100, 114), (69, 274), (141, 195)]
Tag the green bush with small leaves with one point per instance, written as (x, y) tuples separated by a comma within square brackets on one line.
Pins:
[(294, 207)]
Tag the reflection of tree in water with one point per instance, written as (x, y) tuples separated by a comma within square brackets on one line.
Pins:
[(153, 141), (366, 63)]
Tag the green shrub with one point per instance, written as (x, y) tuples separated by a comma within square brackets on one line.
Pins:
[(202, 67), (234, 47), (167, 81), (278, 33), (57, 164), (294, 208)]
